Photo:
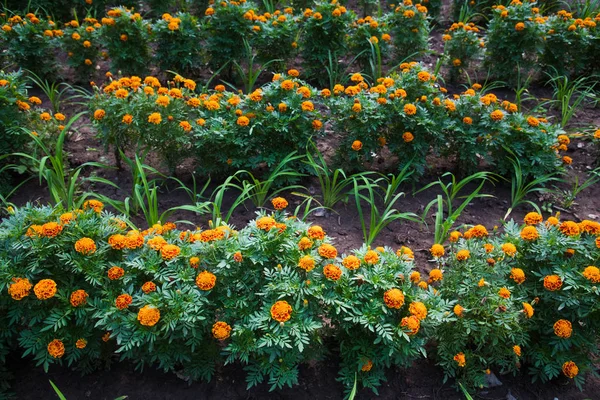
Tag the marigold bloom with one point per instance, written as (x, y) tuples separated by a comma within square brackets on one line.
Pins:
[(592, 274), (45, 289), (206, 280), (221, 330), (393, 298), (412, 324), (478, 231), (405, 252), (563, 328), (591, 227), (415, 277), (367, 366), (169, 251), (418, 309), (517, 350), (332, 272), (20, 288), (307, 263), (237, 257), (533, 218), (327, 251), (117, 241), (437, 250), (148, 315), (279, 203), (95, 205), (194, 262), (517, 275), (316, 232), (265, 223), (528, 310), (529, 233), (115, 273), (460, 359), (497, 115), (570, 369), (504, 293), (157, 243), (123, 301), (281, 311), (371, 257), (552, 282), (81, 343), (149, 287), (154, 118), (458, 310), (408, 137), (67, 218), (51, 229), (509, 249), (78, 298), (410, 109), (435, 275), (351, 262), (454, 236), (463, 255), (357, 145), (56, 348)]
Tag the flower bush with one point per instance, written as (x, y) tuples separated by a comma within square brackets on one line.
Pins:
[(126, 36), (514, 39), (409, 27), (31, 42), (323, 36), (177, 38), (366, 35), (281, 28), (82, 46), (461, 46)]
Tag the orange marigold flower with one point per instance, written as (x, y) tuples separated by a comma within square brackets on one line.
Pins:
[(478, 231), (437, 250), (529, 233), (435, 275), (460, 359), (305, 243), (279, 203), (563, 329), (265, 223), (115, 273), (51, 229), (410, 109), (81, 343), (148, 315), (316, 232), (194, 262), (504, 293), (412, 324), (327, 251), (371, 257), (351, 262), (517, 275), (169, 252), (408, 137), (237, 257), (458, 310), (117, 242), (418, 309), (78, 298), (221, 330), (509, 249), (454, 236), (149, 287), (332, 272), (123, 301), (281, 311), (20, 288), (592, 274), (567, 160), (591, 227), (243, 121), (99, 114), (307, 263), (517, 350), (552, 282), (67, 218), (415, 277), (533, 218), (570, 369), (497, 115), (405, 252), (528, 310), (154, 118), (157, 243), (357, 145), (95, 205), (56, 348), (463, 255), (206, 280), (45, 289), (393, 298)]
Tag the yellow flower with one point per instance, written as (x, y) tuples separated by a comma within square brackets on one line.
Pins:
[(458, 310), (281, 311), (85, 246), (528, 310), (393, 298), (509, 249), (45, 289), (517, 350), (316, 232), (148, 315), (437, 250), (563, 328), (206, 280), (497, 115)]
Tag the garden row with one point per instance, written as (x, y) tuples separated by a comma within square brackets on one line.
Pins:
[(407, 113), (79, 287), (326, 36)]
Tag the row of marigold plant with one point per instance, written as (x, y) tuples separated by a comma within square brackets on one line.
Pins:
[(518, 38), (78, 287)]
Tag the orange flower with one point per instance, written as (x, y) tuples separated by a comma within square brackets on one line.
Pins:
[(528, 310), (81, 343), (281, 311), (307, 263), (563, 329), (206, 280), (221, 330), (85, 246), (410, 109), (517, 350), (332, 272), (570, 369), (529, 233), (45, 289), (51, 229), (115, 273), (509, 249), (117, 242), (460, 359), (393, 298), (351, 262), (569, 228), (533, 218), (194, 262), (148, 315), (415, 277), (316, 232), (357, 145), (367, 366), (408, 137), (265, 223), (412, 323), (327, 251), (497, 115), (56, 348), (437, 250), (418, 309), (592, 274), (237, 257), (552, 282), (78, 298), (305, 243), (149, 287), (279, 203), (371, 257), (123, 301), (458, 310), (169, 252), (95, 205), (504, 293), (435, 275), (20, 288), (463, 255), (517, 275)]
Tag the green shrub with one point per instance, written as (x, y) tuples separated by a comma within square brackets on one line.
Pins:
[(82, 46), (461, 46), (177, 41), (409, 27), (280, 28), (365, 33)]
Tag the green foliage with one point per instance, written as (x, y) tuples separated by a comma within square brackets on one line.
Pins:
[(369, 42), (409, 27), (280, 28), (177, 38), (126, 35), (462, 45), (82, 44)]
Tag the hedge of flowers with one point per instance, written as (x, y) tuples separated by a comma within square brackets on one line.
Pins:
[(77, 287), (409, 113)]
